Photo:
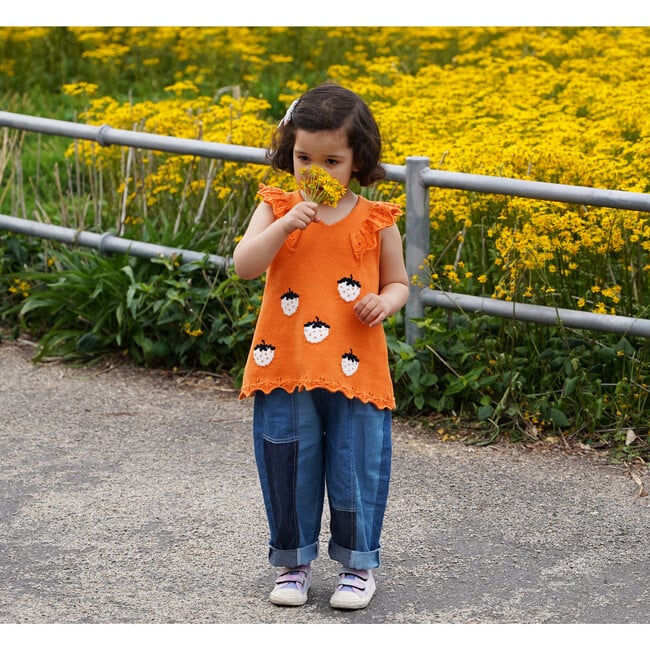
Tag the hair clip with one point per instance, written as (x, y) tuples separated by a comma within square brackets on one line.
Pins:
[(287, 116)]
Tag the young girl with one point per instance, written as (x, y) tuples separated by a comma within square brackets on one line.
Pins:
[(318, 365)]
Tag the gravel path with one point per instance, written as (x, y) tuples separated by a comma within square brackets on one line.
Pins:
[(130, 496)]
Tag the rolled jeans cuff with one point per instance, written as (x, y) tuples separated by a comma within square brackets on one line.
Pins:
[(353, 559), (293, 557)]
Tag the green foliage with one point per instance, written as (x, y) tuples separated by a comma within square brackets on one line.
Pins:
[(527, 381), (160, 313)]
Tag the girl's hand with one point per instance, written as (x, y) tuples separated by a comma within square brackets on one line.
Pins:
[(300, 216), (372, 309)]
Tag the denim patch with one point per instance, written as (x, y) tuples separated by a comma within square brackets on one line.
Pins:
[(343, 526), (281, 465)]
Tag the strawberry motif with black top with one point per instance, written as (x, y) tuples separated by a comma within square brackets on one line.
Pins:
[(349, 288), (349, 363), (263, 353), (316, 331), (289, 302)]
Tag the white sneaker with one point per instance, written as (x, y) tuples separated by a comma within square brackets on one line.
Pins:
[(355, 589), (291, 586)]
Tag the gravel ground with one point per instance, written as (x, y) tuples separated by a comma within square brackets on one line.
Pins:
[(130, 496)]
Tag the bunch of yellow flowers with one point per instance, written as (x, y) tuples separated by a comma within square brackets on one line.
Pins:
[(320, 187)]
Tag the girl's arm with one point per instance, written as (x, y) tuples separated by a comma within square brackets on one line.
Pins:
[(266, 234), (374, 308)]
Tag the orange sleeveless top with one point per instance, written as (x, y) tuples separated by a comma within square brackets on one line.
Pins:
[(307, 334)]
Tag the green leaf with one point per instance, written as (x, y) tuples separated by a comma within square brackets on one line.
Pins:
[(558, 418), (485, 412), (87, 343), (570, 386)]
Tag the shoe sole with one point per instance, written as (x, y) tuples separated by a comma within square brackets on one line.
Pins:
[(347, 600), (288, 599)]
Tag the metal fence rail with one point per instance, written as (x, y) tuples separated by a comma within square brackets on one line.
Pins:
[(106, 242), (417, 178), (626, 325)]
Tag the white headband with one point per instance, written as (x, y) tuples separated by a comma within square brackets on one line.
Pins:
[(287, 116)]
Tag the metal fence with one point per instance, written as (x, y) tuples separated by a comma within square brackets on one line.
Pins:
[(417, 177)]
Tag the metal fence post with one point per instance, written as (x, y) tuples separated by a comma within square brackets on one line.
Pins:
[(417, 240)]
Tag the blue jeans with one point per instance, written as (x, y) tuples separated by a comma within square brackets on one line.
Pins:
[(310, 439)]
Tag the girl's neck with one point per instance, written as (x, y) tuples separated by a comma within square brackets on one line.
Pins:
[(329, 215)]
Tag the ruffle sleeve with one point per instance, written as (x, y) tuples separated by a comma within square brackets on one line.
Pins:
[(382, 215), (281, 202)]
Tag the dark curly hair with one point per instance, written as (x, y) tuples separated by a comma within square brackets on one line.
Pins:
[(330, 107)]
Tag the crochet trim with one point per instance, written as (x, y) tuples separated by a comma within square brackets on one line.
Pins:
[(368, 397), (276, 197), (281, 202), (382, 215)]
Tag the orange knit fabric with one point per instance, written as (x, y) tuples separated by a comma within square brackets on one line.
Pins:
[(307, 334)]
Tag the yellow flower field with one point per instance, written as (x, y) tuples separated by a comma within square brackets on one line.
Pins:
[(553, 104)]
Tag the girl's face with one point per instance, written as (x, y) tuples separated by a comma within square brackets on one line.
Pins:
[(327, 149)]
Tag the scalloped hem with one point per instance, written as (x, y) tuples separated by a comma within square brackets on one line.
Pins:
[(380, 401)]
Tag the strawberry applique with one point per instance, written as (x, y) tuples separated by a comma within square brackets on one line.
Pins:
[(349, 363), (263, 353), (289, 302), (349, 288), (316, 331)]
